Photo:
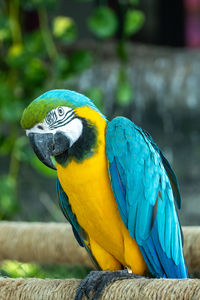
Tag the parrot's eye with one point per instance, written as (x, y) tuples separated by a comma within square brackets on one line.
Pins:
[(60, 111)]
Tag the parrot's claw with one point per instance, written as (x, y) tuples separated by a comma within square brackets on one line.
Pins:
[(96, 281)]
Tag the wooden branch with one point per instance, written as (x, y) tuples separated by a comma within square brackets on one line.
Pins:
[(55, 243), (56, 289)]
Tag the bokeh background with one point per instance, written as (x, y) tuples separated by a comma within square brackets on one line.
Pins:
[(135, 58)]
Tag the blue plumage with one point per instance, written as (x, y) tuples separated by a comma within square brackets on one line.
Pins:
[(145, 188), (143, 183), (119, 190), (72, 97)]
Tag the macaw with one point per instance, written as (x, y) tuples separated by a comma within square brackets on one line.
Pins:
[(115, 186)]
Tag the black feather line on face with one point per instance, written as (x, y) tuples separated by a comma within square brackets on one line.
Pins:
[(84, 147), (87, 142), (56, 123), (66, 117), (67, 121)]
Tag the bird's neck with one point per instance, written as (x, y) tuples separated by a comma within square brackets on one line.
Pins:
[(92, 141)]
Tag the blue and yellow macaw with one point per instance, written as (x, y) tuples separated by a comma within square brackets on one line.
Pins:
[(115, 186)]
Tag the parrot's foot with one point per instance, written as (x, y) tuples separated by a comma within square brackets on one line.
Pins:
[(96, 281)]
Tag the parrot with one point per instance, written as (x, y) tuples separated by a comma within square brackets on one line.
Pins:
[(114, 185)]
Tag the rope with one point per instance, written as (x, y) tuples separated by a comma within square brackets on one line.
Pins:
[(55, 243), (40, 289)]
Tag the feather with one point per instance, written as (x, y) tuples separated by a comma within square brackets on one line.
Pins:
[(141, 180), (78, 231)]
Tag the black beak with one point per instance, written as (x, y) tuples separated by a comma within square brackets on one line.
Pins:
[(46, 145)]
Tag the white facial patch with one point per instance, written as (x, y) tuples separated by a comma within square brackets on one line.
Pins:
[(73, 130), (60, 119)]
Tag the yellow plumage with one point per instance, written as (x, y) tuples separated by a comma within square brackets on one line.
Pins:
[(88, 188)]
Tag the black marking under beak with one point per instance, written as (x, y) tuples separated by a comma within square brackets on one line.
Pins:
[(42, 144)]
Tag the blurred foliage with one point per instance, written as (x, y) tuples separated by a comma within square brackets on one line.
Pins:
[(103, 23), (133, 21), (124, 92), (16, 269), (35, 57), (34, 60), (64, 28)]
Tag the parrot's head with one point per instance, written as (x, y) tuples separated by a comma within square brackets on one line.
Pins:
[(63, 124)]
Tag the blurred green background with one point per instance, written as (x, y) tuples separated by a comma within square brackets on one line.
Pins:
[(39, 51), (123, 55), (38, 54)]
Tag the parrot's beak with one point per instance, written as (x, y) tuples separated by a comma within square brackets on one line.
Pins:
[(46, 145)]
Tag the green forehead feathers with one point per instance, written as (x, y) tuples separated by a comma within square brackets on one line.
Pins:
[(38, 109)]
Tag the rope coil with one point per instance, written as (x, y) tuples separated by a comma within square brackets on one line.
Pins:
[(54, 243), (46, 289)]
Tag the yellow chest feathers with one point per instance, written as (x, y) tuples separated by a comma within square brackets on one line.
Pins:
[(87, 180), (88, 188)]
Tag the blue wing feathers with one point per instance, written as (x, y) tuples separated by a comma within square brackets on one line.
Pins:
[(169, 170), (120, 191), (152, 258), (77, 237), (158, 262), (142, 178), (172, 270)]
